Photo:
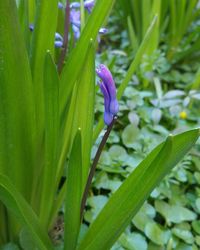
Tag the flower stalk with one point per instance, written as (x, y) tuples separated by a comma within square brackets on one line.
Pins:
[(94, 164)]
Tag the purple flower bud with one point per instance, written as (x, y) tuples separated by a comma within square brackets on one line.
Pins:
[(89, 4), (108, 89), (75, 5), (105, 75), (31, 27), (75, 17), (108, 117), (58, 44), (60, 5), (103, 31), (76, 31)]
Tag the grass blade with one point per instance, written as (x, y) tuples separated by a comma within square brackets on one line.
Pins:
[(17, 129), (42, 40), (73, 195), (85, 109), (51, 96)]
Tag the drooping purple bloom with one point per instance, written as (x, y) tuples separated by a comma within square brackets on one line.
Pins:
[(108, 89)]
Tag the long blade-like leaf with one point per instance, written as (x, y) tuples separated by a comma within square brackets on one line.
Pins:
[(126, 201), (51, 97), (73, 195), (42, 40), (17, 124), (84, 116)]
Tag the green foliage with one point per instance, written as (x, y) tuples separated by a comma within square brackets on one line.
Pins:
[(44, 161)]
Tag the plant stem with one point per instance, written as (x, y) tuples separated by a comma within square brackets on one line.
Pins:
[(94, 164), (65, 42)]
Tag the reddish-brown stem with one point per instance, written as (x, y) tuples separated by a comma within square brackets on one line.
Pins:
[(94, 164)]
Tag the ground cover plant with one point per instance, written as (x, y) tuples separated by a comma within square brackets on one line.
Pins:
[(56, 117)]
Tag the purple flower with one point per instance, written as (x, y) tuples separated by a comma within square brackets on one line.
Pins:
[(58, 44), (60, 5), (75, 17), (108, 89), (58, 40), (31, 27), (89, 4), (103, 31), (75, 5), (58, 36)]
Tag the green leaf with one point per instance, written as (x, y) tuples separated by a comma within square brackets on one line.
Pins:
[(75, 62), (26, 241), (51, 98), (14, 201), (129, 135), (17, 116), (196, 226), (133, 241), (73, 195), (84, 113), (174, 213), (156, 234), (126, 201), (118, 153), (42, 40), (183, 234)]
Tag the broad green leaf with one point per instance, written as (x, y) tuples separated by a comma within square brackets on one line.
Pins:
[(126, 201), (174, 213), (51, 98), (17, 116), (133, 241), (76, 60), (73, 195), (131, 70), (156, 234), (183, 234), (14, 201), (130, 134)]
